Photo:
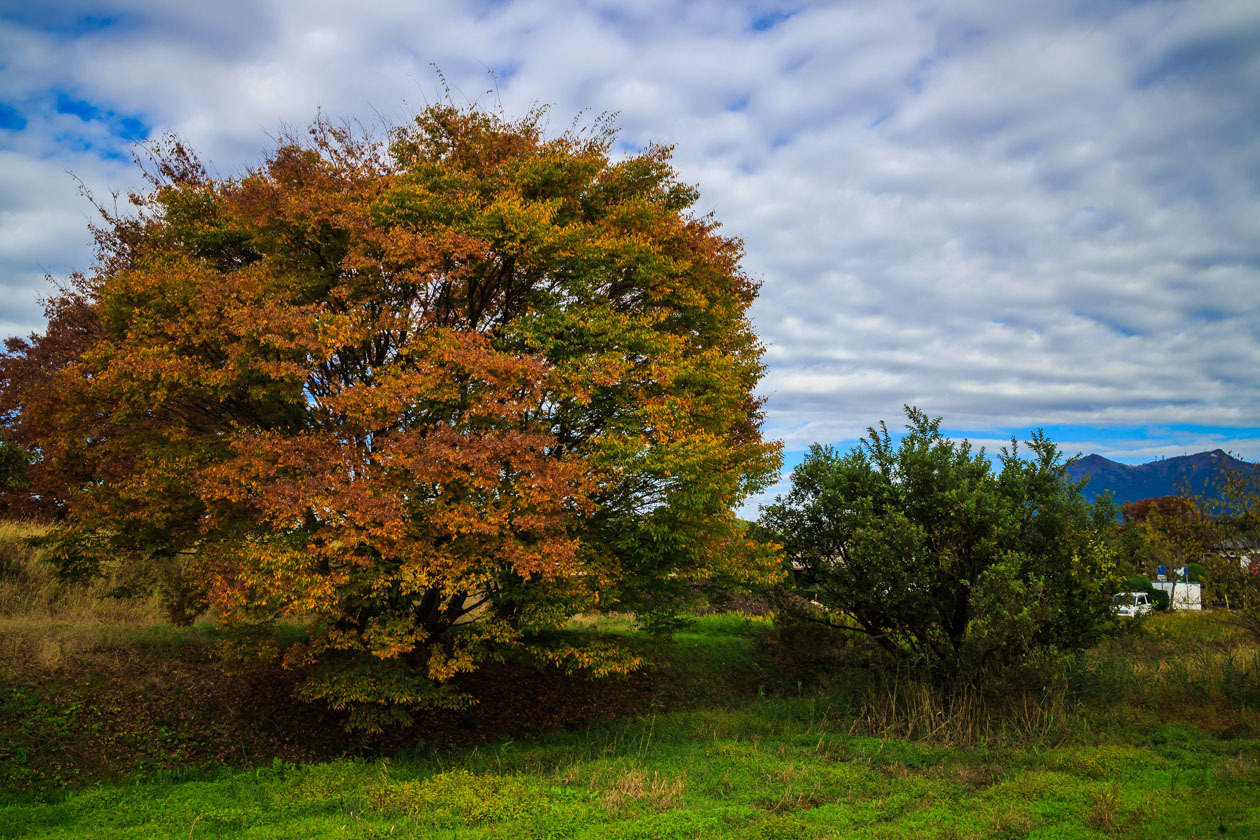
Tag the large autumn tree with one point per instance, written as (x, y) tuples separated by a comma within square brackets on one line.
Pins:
[(430, 395)]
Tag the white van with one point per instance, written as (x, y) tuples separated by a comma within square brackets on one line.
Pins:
[(1132, 604)]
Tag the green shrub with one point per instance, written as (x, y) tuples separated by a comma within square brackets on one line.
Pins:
[(961, 573), (1139, 583)]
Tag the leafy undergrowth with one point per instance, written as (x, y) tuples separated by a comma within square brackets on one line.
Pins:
[(154, 708)]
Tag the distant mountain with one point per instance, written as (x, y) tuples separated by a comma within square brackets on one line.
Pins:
[(1165, 477)]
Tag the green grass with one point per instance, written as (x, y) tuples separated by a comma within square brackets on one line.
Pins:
[(113, 725), (778, 768), (743, 756)]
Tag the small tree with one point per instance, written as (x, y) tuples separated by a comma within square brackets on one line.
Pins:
[(956, 570), (1237, 583), (1172, 531)]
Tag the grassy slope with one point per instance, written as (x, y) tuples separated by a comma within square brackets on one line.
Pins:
[(1164, 750)]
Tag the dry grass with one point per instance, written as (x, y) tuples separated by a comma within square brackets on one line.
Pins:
[(1008, 820), (44, 621), (915, 711), (635, 787), (979, 776), (1190, 661), (797, 787), (1103, 814), (1239, 767), (613, 622)]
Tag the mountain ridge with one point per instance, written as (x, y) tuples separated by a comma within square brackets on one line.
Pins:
[(1163, 477)]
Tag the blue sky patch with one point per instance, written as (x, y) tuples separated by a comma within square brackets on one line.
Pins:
[(1222, 56), (880, 119), (80, 108), (769, 20), (10, 119), (128, 128), (79, 144), (132, 128), (1091, 220), (1111, 322), (40, 16)]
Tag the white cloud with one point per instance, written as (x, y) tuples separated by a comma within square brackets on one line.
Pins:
[(1010, 214)]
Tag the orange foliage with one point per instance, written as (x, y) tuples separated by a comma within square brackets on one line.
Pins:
[(431, 395)]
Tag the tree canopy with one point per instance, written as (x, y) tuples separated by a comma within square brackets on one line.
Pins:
[(430, 395), (955, 569), (1168, 531)]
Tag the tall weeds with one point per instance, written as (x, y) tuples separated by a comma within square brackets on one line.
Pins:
[(1194, 662), (901, 707), (1193, 667), (43, 619)]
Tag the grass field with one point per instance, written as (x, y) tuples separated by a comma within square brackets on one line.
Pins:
[(130, 730), (776, 769)]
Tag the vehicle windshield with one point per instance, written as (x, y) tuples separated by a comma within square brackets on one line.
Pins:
[(1124, 599)]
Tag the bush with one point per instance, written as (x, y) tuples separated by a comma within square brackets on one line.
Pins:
[(958, 572), (1139, 583)]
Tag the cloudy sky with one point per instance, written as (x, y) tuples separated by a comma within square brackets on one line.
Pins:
[(1013, 215)]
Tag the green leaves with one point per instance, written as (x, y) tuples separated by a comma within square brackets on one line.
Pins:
[(946, 564)]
